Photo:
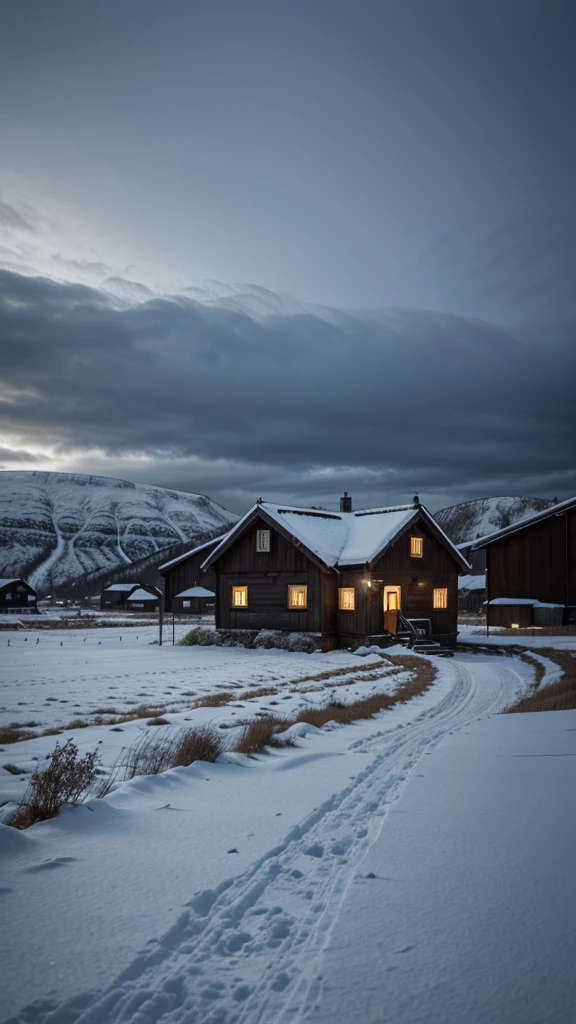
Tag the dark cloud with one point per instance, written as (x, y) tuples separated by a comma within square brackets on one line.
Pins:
[(296, 406)]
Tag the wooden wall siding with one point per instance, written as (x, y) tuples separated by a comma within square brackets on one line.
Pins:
[(268, 601), (417, 601), (329, 584), (532, 562), (185, 575), (506, 614), (357, 622), (436, 559), (243, 557), (571, 531)]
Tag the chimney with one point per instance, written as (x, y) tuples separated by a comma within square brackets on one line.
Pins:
[(416, 499), (345, 503)]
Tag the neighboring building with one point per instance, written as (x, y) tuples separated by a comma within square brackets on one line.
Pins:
[(194, 601), (143, 599), (476, 557), (116, 595), (471, 593), (16, 595), (185, 573), (531, 569), (353, 577)]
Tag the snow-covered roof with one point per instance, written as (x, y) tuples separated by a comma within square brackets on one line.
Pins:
[(554, 510), (120, 586), (339, 539), (472, 582), (196, 592), (6, 583), (143, 595), (194, 551)]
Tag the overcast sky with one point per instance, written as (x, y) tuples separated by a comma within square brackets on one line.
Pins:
[(394, 179)]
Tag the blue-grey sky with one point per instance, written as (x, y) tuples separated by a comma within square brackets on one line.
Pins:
[(396, 181)]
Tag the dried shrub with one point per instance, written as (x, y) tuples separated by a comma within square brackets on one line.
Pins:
[(198, 637), (8, 735), (148, 755), (66, 778), (260, 733), (202, 744)]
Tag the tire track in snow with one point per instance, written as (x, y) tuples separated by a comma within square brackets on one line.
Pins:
[(250, 951)]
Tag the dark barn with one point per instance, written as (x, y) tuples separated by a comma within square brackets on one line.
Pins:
[(531, 569), (16, 595), (194, 601), (144, 599), (185, 573), (353, 577), (116, 595)]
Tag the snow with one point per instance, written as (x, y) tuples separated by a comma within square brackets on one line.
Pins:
[(6, 583), (552, 510), (143, 595), (120, 587), (523, 600), (472, 582), (471, 521), (193, 551), (197, 592), (225, 892)]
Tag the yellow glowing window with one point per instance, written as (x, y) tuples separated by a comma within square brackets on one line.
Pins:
[(297, 596), (346, 599), (416, 547), (440, 599), (262, 540), (239, 597)]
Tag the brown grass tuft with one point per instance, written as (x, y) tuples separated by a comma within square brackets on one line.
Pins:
[(15, 735), (202, 744), (260, 733), (263, 691), (77, 723), (215, 700), (560, 696)]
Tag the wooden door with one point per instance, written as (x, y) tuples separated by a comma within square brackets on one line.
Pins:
[(392, 597)]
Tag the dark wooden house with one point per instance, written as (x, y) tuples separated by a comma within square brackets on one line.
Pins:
[(144, 599), (16, 595), (531, 569), (353, 577), (185, 573)]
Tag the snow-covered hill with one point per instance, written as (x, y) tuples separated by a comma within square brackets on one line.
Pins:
[(58, 527), (477, 518)]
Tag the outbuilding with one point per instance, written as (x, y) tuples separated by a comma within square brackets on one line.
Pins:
[(116, 595), (352, 577), (194, 601), (16, 595), (531, 569), (144, 599), (185, 573)]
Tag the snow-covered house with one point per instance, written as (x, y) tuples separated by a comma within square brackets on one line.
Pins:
[(144, 599), (16, 595), (350, 576), (531, 569)]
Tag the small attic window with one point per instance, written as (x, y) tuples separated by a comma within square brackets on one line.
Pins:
[(440, 597), (262, 540), (416, 547), (297, 596), (239, 597)]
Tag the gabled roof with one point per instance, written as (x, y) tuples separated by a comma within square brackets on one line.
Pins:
[(120, 586), (16, 579), (338, 539), (194, 551), (143, 595), (554, 510), (197, 592)]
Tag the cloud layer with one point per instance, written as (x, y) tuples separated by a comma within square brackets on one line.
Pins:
[(244, 393)]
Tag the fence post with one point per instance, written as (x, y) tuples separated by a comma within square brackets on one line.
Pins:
[(161, 617)]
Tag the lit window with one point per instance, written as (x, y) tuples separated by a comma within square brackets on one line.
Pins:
[(346, 599), (297, 596), (239, 597), (440, 597), (262, 540), (185, 604), (416, 547)]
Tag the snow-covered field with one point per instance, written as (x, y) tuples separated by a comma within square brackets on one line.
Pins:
[(414, 867)]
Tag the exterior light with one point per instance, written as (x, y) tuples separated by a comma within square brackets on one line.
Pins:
[(515, 625), (369, 583)]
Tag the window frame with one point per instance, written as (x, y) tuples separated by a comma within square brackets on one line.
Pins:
[(261, 535), (291, 587), (341, 606), (444, 592), (242, 588), (416, 554)]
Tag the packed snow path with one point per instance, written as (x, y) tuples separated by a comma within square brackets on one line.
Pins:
[(251, 951)]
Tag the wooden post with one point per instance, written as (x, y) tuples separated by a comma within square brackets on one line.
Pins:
[(173, 630), (160, 618), (487, 600)]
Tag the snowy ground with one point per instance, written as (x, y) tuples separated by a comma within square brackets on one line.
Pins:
[(225, 893)]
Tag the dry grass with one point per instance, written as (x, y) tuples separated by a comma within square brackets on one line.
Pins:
[(560, 696), (261, 733), (202, 744), (9, 735), (215, 700), (77, 723), (263, 691)]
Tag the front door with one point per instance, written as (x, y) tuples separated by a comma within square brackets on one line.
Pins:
[(392, 597)]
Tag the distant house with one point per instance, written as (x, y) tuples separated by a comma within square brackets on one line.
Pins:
[(531, 569), (353, 577), (143, 599), (16, 595), (116, 595), (184, 574), (194, 601)]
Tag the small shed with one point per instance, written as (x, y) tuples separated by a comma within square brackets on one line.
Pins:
[(195, 601), (116, 595), (143, 600), (16, 595)]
